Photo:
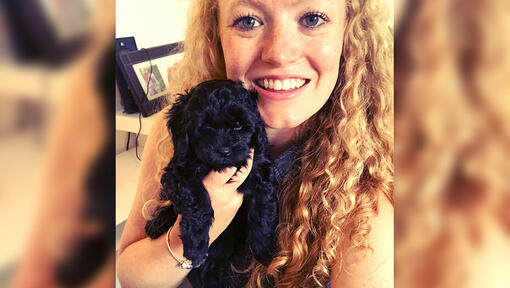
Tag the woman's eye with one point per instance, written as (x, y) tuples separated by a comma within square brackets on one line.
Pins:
[(313, 20), (246, 23)]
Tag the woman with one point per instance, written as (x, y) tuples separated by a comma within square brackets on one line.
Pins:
[(336, 215)]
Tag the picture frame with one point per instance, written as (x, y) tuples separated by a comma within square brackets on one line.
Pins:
[(138, 66)]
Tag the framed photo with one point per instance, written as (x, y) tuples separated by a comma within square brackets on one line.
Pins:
[(146, 74), (150, 78)]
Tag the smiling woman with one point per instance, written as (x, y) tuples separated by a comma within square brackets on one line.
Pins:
[(322, 70), (277, 45)]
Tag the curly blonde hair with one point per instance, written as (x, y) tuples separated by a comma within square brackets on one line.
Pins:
[(453, 140), (347, 146)]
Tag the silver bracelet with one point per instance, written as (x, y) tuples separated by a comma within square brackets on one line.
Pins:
[(185, 264)]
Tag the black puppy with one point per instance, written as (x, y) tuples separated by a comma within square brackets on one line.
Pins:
[(214, 126)]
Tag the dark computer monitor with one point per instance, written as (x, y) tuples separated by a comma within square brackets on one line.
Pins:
[(124, 45)]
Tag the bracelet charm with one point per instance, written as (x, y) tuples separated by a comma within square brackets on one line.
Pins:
[(185, 264)]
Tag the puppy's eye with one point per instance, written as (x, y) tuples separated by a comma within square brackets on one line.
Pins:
[(209, 130), (238, 126)]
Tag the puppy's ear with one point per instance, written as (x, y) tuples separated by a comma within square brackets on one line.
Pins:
[(251, 99), (259, 139), (178, 124)]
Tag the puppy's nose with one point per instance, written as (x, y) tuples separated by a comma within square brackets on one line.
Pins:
[(224, 151)]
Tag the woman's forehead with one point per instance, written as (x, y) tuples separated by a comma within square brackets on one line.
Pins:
[(275, 3)]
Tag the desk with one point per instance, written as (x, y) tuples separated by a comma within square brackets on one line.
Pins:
[(130, 122)]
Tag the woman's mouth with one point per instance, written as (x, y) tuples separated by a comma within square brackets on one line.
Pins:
[(281, 85)]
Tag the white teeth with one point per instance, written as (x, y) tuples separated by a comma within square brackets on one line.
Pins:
[(276, 84), (286, 84)]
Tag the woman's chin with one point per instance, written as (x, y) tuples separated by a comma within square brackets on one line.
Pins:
[(279, 122)]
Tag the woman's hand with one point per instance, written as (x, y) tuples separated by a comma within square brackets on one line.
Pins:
[(222, 186), (225, 200)]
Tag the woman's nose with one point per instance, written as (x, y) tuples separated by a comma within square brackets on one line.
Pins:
[(280, 46)]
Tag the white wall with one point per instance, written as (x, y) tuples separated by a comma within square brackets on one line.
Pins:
[(151, 22)]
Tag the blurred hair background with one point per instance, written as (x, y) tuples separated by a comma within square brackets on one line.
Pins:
[(57, 170), (452, 96)]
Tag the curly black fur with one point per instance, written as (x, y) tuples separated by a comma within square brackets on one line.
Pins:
[(214, 126)]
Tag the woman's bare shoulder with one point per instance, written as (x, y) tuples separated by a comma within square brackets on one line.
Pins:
[(374, 267)]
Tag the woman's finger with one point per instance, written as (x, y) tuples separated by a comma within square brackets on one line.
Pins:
[(245, 170), (241, 174), (216, 179)]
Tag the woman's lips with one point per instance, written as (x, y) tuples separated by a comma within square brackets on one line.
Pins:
[(280, 89)]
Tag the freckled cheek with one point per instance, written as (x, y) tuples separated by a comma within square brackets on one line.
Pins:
[(327, 54), (234, 66), (239, 57)]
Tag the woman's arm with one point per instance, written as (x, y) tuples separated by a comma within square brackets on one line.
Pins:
[(360, 269), (143, 262), (147, 262)]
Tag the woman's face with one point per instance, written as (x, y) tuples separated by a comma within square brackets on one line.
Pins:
[(288, 50)]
